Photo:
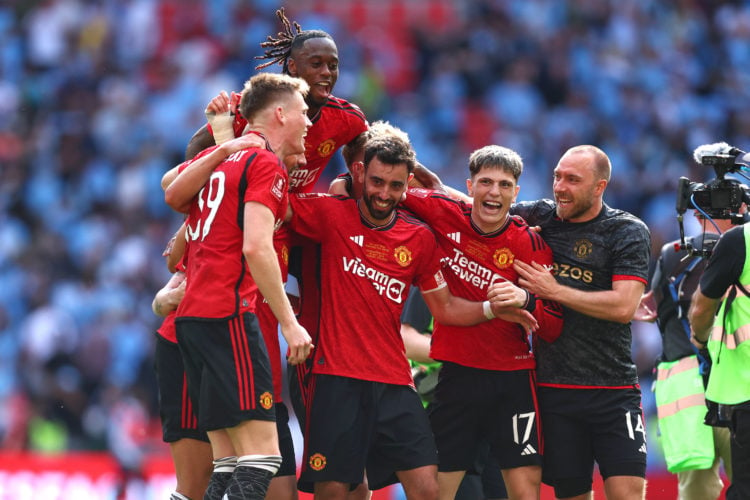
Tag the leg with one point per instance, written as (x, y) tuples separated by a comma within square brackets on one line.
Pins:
[(723, 449), (258, 459), (193, 466), (331, 490), (700, 484), (420, 483), (254, 437), (361, 492), (523, 483), (223, 464), (625, 488), (448, 483), (740, 444), (282, 488)]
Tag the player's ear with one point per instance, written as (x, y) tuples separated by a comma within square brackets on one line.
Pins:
[(469, 187), (291, 67)]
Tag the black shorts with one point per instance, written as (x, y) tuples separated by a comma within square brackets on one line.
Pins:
[(474, 406), (286, 443), (583, 426), (356, 425), (228, 370), (178, 420)]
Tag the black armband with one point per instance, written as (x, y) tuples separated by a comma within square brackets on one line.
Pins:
[(530, 304)]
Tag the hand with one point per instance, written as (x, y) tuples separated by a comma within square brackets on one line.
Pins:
[(219, 116), (506, 294), (516, 315), (179, 292), (537, 279), (299, 342), (646, 308), (223, 103)]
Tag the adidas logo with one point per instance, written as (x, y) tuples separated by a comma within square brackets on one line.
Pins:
[(529, 450), (455, 237), (359, 239), (643, 448)]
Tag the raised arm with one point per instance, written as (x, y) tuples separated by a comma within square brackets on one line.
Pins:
[(181, 187), (618, 304)]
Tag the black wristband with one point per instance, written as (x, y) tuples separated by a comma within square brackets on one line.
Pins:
[(530, 304)]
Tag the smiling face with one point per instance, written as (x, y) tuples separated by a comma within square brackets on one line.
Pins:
[(383, 186), (316, 62), (577, 188), (494, 189)]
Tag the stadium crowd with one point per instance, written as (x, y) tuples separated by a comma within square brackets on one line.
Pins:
[(99, 98)]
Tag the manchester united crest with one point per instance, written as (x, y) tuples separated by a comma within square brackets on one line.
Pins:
[(284, 254), (503, 258), (403, 256), (317, 461), (582, 248), (266, 400), (327, 147)]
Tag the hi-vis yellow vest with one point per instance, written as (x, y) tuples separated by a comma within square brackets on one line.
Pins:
[(680, 404), (729, 344)]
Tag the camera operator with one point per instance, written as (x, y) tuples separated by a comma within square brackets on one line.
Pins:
[(727, 335), (719, 313), (680, 399)]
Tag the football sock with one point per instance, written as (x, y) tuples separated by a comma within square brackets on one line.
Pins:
[(252, 476), (223, 470)]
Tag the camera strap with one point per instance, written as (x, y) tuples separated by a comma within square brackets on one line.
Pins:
[(676, 290)]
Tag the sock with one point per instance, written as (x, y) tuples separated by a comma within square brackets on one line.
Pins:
[(223, 470), (177, 496), (252, 476)]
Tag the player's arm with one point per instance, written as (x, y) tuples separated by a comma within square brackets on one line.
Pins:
[(701, 317), (169, 297), (175, 249), (417, 344), (618, 304), (456, 311), (185, 184), (218, 113), (504, 295), (425, 178), (264, 266)]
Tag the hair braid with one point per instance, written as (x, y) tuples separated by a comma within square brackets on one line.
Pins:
[(279, 49)]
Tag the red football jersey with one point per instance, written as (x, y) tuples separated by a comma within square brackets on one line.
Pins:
[(366, 274), (473, 261), (219, 284), (337, 123)]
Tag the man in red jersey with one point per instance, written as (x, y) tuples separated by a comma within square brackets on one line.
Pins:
[(230, 230), (190, 449), (486, 390), (372, 252)]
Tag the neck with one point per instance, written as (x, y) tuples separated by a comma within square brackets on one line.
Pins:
[(273, 139)]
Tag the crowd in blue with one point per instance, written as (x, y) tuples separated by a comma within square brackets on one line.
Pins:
[(98, 98)]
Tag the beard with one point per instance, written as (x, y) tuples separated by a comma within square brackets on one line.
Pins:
[(375, 212)]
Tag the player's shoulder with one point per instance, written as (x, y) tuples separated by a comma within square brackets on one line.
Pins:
[(344, 107), (524, 234), (406, 216), (624, 221), (536, 211)]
